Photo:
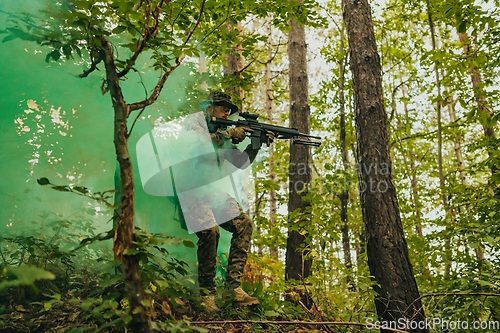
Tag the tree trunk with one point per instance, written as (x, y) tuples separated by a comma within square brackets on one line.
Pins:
[(256, 212), (444, 198), (235, 64), (203, 69), (483, 108), (482, 104), (413, 170), (270, 111), (460, 161), (344, 196), (124, 235), (297, 266), (397, 294), (117, 212), (456, 142)]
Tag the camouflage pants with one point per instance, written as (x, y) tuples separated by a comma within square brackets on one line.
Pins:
[(208, 240)]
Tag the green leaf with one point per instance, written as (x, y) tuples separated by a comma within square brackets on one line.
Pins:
[(26, 275), (108, 314), (146, 302), (188, 243), (462, 28), (55, 55), (43, 181), (9, 38), (119, 29), (97, 42), (78, 51), (127, 5), (86, 304), (80, 329), (271, 314), (67, 51), (81, 189), (131, 252), (61, 188)]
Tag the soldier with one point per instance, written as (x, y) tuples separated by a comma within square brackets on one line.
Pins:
[(220, 105)]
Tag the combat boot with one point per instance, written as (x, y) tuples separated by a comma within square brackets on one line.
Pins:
[(241, 298), (209, 303)]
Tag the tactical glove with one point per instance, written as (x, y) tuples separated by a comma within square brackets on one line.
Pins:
[(237, 133), (269, 135)]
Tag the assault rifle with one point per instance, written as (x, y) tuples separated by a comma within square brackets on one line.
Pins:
[(259, 129)]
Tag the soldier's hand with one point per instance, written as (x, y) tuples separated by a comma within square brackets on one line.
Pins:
[(237, 133), (269, 135)]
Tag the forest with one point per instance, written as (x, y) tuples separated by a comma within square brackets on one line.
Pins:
[(380, 213)]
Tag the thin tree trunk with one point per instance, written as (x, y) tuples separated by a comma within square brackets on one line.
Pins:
[(270, 111), (361, 239), (344, 196), (483, 108), (456, 143), (412, 172), (463, 180), (480, 97), (298, 266), (117, 212), (235, 63), (478, 90), (397, 293), (256, 215), (124, 236), (256, 210), (203, 69), (444, 198)]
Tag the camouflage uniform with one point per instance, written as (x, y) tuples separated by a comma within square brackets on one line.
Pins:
[(241, 226), (208, 240)]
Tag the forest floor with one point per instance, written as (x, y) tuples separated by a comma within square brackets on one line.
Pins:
[(62, 316)]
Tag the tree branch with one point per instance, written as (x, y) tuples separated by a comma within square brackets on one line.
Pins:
[(197, 23), (159, 86), (452, 294), (452, 125), (249, 64), (135, 120), (92, 68), (175, 19), (148, 33)]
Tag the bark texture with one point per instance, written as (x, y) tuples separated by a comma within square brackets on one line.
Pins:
[(457, 147), (297, 266), (413, 169), (235, 63), (124, 235), (388, 259), (270, 112), (482, 104), (344, 196), (444, 196)]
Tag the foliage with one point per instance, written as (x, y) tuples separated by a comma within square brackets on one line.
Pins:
[(24, 276)]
